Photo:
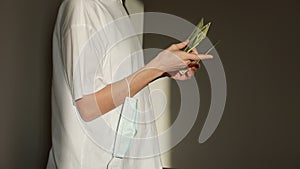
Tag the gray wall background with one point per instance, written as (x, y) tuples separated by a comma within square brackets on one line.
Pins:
[(259, 51), (25, 69)]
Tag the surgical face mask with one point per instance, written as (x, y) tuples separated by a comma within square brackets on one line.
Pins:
[(127, 127), (126, 130)]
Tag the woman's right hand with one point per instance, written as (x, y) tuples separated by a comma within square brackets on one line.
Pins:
[(174, 59)]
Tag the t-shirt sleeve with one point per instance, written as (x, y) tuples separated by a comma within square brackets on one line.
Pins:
[(83, 53)]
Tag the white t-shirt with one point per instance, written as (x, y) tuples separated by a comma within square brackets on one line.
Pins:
[(90, 50)]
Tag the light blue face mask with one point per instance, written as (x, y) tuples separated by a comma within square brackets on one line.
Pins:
[(127, 127), (126, 130)]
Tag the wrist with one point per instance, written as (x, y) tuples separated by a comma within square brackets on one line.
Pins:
[(150, 73), (153, 70)]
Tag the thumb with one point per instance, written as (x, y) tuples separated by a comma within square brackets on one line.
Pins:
[(179, 45)]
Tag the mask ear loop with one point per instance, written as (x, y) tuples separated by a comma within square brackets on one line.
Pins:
[(113, 155), (128, 87)]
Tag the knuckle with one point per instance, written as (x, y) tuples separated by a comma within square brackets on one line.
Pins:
[(188, 62), (191, 56)]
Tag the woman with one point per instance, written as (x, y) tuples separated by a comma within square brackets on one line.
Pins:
[(92, 76)]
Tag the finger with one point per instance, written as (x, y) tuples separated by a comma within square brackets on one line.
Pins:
[(204, 57), (179, 45), (194, 69), (189, 56), (177, 76), (194, 65), (188, 62), (190, 73), (195, 51)]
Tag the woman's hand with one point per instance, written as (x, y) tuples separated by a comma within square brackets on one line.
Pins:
[(173, 59), (169, 62), (192, 68)]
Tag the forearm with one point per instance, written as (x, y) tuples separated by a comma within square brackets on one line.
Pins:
[(114, 94), (111, 96)]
